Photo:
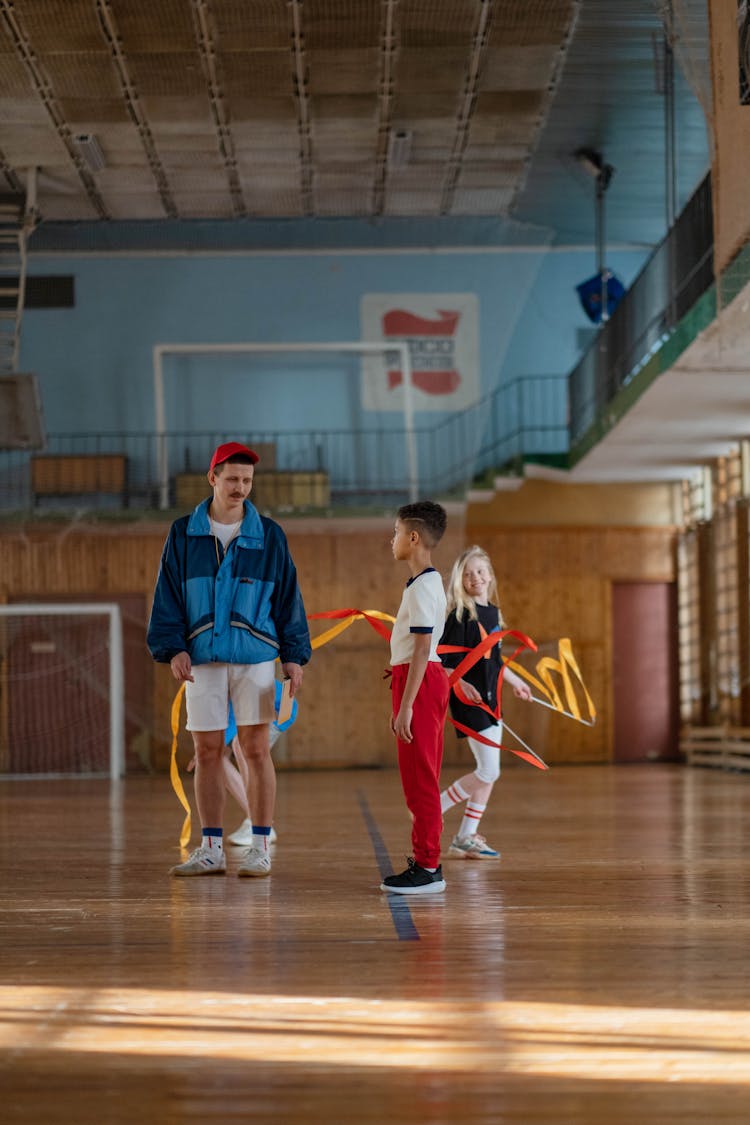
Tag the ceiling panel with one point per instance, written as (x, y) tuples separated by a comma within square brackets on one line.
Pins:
[(286, 90)]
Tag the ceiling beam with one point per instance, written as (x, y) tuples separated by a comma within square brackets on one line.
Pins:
[(302, 102), (467, 104), (386, 90), (132, 101), (43, 86), (206, 37)]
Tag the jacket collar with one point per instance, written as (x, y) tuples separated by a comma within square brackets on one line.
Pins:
[(251, 530)]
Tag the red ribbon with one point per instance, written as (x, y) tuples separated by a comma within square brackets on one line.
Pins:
[(473, 655)]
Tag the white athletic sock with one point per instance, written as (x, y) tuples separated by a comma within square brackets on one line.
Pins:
[(213, 839), (451, 796), (261, 835), (472, 816)]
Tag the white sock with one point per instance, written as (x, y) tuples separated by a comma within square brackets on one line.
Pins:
[(472, 816), (451, 796), (212, 839)]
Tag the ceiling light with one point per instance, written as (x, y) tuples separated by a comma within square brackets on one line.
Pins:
[(90, 150), (399, 147), (593, 164)]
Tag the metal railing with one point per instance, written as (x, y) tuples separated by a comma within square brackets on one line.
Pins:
[(678, 272), (525, 418)]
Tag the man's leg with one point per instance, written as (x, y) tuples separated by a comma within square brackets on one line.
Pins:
[(209, 858), (209, 776), (261, 776), (255, 747)]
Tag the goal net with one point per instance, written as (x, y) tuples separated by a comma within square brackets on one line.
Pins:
[(61, 690)]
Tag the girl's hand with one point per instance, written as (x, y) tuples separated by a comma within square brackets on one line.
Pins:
[(522, 691), (470, 692)]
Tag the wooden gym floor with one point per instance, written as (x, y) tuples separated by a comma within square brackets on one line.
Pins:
[(598, 974)]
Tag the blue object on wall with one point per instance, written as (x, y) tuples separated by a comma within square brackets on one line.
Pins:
[(590, 294)]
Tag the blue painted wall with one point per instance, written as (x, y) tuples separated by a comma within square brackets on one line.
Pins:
[(94, 361), (95, 366)]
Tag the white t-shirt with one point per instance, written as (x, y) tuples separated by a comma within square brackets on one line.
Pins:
[(224, 532), (422, 610)]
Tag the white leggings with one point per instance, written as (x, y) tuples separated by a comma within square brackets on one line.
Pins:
[(487, 757)]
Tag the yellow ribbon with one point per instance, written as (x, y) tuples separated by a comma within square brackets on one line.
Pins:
[(174, 772), (546, 685), (340, 626)]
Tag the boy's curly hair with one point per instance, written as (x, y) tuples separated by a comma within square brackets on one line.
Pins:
[(425, 517)]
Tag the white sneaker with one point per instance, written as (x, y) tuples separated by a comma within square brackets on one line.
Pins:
[(256, 862), (203, 861), (243, 836), (471, 847)]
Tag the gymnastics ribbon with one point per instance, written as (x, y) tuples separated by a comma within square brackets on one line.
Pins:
[(473, 655), (546, 685), (174, 772), (347, 617), (375, 619)]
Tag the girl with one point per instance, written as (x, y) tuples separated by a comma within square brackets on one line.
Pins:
[(472, 614)]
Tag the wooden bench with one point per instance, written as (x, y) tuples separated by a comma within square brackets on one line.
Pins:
[(723, 747), (270, 490), (79, 474)]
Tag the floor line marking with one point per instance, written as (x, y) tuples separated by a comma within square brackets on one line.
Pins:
[(400, 913)]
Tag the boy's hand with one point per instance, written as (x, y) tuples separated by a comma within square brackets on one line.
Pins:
[(401, 724), (182, 667)]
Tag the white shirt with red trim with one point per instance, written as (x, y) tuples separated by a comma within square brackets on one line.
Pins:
[(422, 610)]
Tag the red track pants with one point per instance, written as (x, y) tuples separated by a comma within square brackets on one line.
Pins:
[(419, 760)]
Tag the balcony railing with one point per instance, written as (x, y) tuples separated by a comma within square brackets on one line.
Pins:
[(678, 272), (523, 418)]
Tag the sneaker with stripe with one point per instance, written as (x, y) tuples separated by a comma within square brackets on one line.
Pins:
[(203, 861), (256, 863), (471, 847)]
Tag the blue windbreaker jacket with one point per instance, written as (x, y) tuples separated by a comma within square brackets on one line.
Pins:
[(242, 606)]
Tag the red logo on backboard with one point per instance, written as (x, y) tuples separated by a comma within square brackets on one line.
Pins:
[(432, 347)]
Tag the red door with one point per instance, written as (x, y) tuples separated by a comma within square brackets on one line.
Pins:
[(645, 671)]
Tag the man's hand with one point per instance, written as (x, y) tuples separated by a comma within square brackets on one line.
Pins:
[(293, 672), (182, 667)]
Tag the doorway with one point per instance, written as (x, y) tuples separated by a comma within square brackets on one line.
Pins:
[(645, 671)]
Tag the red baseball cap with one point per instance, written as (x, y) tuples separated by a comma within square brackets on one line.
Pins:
[(223, 453)]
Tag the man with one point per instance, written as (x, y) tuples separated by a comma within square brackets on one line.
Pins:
[(226, 605)]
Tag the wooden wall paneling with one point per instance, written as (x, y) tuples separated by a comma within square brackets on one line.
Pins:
[(743, 607), (707, 595), (553, 582)]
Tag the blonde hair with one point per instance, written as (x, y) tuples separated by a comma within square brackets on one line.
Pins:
[(457, 597)]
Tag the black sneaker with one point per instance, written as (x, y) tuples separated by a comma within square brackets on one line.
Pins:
[(415, 881)]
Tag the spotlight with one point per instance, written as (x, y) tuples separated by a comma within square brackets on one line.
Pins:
[(593, 164), (90, 151), (399, 147)]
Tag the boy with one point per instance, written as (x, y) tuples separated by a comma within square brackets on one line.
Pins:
[(226, 605), (419, 685)]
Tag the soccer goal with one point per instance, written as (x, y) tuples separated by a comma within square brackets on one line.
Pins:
[(62, 690), (395, 348)]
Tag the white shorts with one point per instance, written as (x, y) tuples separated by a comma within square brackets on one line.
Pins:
[(250, 687)]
